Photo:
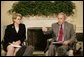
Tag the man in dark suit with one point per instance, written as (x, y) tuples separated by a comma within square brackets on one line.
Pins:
[(63, 32)]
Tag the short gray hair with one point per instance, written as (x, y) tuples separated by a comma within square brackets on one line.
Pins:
[(62, 14)]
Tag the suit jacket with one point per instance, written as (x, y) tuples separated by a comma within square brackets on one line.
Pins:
[(11, 34), (69, 32)]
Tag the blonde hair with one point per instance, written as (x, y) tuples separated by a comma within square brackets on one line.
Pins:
[(62, 14), (15, 15)]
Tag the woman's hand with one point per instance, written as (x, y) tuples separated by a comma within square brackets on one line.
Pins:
[(17, 42), (13, 43)]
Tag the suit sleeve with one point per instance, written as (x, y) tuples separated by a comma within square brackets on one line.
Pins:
[(6, 38), (23, 34), (73, 34), (50, 32)]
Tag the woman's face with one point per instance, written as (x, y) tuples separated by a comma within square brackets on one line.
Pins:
[(17, 20)]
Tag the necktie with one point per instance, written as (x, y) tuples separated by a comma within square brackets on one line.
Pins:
[(60, 36)]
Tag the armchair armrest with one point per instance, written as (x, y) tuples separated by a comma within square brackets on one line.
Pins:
[(25, 42), (48, 43)]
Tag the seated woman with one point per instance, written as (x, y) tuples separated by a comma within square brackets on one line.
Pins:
[(15, 34)]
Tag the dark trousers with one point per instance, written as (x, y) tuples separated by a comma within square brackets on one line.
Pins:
[(25, 51)]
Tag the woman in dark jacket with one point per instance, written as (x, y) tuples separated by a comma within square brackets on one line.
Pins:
[(15, 34)]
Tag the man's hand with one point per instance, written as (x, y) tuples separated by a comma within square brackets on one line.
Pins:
[(44, 29), (66, 42)]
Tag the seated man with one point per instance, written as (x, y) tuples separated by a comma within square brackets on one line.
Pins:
[(63, 32)]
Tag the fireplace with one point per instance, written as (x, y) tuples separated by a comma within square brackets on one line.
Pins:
[(36, 38)]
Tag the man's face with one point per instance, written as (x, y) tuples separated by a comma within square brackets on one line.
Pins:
[(61, 19)]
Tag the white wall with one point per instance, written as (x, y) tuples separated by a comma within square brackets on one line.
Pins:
[(41, 21), (78, 16)]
